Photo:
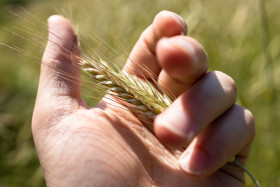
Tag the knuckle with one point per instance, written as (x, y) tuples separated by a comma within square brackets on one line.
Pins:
[(163, 13), (166, 19), (149, 39), (250, 122), (228, 83), (247, 120)]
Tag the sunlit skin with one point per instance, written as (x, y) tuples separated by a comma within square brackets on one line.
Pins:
[(108, 146)]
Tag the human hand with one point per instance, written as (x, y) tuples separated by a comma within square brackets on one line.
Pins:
[(107, 146)]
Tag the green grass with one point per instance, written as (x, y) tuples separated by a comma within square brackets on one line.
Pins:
[(241, 38)]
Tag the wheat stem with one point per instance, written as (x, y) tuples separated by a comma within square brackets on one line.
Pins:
[(237, 163)]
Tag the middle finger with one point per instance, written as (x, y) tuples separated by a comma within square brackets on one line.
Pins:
[(197, 107), (183, 61)]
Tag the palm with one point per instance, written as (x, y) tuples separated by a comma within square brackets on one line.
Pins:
[(107, 146)]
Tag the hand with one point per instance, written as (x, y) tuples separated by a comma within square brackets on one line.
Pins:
[(106, 146)]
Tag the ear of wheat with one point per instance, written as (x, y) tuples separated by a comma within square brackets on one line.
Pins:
[(145, 98)]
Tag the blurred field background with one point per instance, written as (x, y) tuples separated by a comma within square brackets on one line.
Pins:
[(241, 37)]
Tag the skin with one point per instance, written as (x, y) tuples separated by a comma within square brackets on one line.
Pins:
[(108, 146)]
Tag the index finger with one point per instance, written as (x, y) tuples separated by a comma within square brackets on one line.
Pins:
[(143, 56), (183, 61)]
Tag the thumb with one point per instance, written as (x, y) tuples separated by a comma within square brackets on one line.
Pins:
[(60, 73), (59, 85)]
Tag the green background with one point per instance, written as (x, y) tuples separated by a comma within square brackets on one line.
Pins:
[(241, 38)]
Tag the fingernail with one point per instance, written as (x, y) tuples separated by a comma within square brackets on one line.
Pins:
[(177, 123), (194, 162), (182, 22)]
